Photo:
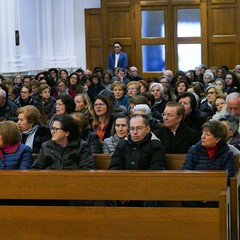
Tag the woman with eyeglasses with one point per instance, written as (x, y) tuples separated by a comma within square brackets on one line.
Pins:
[(232, 82), (65, 150), (103, 118), (207, 105), (75, 83), (26, 98)]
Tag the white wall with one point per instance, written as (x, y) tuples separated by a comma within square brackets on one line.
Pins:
[(52, 34)]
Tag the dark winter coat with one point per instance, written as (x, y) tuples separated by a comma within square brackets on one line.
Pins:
[(148, 155), (75, 156)]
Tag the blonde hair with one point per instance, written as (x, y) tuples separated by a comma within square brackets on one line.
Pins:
[(87, 102)]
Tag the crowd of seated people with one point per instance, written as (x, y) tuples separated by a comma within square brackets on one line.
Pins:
[(100, 104)]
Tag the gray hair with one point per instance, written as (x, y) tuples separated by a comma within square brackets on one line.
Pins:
[(232, 120), (156, 84), (209, 74), (233, 95), (144, 108), (3, 93)]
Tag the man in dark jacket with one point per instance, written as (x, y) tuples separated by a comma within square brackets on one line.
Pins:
[(176, 136), (8, 109), (140, 150)]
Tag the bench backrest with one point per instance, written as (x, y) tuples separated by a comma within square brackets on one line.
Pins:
[(98, 222), (173, 161)]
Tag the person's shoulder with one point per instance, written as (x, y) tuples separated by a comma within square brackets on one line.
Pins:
[(24, 147)]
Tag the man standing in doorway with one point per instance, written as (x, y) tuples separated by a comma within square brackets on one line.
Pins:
[(117, 58)]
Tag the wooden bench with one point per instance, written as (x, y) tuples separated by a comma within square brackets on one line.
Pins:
[(117, 223), (175, 162)]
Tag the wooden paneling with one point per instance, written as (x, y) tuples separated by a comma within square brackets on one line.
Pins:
[(223, 33), (224, 21), (120, 20), (94, 39), (224, 54)]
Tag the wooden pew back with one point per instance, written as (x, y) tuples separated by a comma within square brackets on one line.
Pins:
[(98, 222)]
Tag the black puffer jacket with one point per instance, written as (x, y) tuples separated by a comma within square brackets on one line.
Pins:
[(75, 156), (148, 155)]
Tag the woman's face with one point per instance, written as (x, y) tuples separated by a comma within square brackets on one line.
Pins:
[(198, 71), (229, 79), (95, 80), (206, 79), (45, 94), (208, 140), (80, 103), (106, 78), (220, 102), (60, 107), (23, 123), (142, 89), (58, 134), (156, 92), (220, 73), (88, 83), (63, 75), (219, 84), (181, 87), (25, 95), (118, 92), (100, 108), (211, 95), (121, 127), (132, 90), (186, 102), (73, 79), (17, 79), (61, 87)]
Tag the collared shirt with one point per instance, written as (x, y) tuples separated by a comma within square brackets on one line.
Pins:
[(116, 59)]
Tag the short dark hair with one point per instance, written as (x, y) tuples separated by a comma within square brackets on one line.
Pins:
[(68, 102), (217, 129), (117, 43), (69, 124)]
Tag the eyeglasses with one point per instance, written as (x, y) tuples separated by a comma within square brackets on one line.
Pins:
[(116, 46), (137, 129), (167, 115), (24, 92), (99, 104), (211, 93), (54, 129)]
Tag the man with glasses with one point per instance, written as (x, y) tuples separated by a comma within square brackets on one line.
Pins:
[(140, 150), (117, 58)]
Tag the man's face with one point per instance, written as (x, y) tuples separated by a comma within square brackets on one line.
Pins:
[(170, 117), (233, 106), (2, 100), (117, 48), (138, 130)]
